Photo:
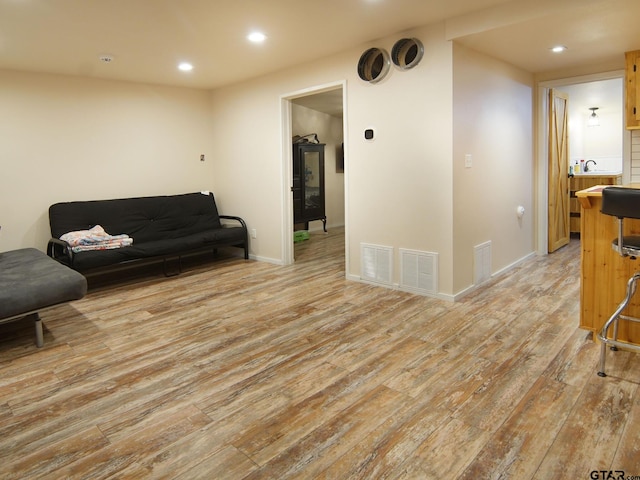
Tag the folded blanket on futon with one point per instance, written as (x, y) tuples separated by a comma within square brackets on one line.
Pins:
[(95, 239)]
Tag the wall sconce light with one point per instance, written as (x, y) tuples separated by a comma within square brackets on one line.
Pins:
[(593, 121)]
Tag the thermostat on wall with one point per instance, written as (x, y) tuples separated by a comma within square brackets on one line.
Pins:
[(369, 134)]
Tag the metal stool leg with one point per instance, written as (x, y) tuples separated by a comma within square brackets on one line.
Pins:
[(631, 285), (621, 203), (603, 358), (613, 320), (38, 324)]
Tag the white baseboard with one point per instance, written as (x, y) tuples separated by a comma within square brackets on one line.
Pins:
[(318, 228), (395, 286), (461, 294), (441, 296), (445, 296), (273, 261)]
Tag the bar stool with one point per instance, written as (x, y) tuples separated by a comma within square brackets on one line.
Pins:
[(621, 203)]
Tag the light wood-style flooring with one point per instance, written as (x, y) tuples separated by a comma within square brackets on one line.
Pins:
[(245, 370)]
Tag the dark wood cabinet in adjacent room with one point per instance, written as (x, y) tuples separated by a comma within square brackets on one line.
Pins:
[(308, 184)]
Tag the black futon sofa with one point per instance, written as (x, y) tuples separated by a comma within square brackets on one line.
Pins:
[(162, 227), (31, 282)]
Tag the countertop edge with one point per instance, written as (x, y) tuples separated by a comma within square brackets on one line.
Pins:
[(596, 192)]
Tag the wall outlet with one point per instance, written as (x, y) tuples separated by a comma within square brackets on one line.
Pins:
[(468, 160), (254, 233), (202, 157)]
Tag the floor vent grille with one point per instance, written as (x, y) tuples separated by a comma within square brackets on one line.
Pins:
[(419, 271), (377, 263), (482, 263)]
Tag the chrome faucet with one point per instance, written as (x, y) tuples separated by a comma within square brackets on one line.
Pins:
[(586, 165)]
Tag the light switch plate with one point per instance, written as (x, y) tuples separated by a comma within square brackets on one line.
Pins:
[(468, 160)]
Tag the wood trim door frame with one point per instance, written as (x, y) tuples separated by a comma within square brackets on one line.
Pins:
[(542, 148), (287, 162)]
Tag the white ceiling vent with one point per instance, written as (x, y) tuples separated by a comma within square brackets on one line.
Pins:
[(419, 271), (377, 263)]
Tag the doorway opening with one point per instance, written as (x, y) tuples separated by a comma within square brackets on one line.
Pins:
[(608, 144), (315, 115)]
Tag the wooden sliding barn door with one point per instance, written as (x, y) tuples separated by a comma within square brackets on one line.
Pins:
[(558, 181)]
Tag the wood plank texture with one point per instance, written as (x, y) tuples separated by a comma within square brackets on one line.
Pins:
[(582, 182), (605, 273), (245, 370), (631, 104)]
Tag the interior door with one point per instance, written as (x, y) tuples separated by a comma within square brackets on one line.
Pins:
[(558, 181)]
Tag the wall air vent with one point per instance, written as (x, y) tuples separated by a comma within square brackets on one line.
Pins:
[(376, 264), (407, 53), (481, 263), (373, 65), (419, 271)]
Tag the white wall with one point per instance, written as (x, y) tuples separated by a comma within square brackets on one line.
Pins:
[(603, 143), (66, 138), (69, 138), (399, 185), (493, 121), (329, 129)]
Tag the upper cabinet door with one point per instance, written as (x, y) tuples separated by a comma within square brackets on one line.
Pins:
[(632, 87)]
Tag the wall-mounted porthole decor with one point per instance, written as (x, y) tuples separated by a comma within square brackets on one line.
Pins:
[(373, 65), (407, 53)]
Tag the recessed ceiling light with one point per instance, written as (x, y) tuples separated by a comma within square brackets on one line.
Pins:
[(558, 49), (185, 67), (257, 37)]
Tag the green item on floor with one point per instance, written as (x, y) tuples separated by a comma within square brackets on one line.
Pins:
[(300, 235)]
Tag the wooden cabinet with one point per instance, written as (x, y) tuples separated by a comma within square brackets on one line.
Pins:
[(582, 182), (604, 273), (632, 87), (308, 184)]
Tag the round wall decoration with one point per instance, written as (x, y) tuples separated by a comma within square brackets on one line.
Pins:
[(373, 65), (407, 53)]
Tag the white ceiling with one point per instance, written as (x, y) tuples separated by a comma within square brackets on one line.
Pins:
[(147, 38), (329, 102), (596, 32)]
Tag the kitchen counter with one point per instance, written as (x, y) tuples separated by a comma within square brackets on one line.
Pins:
[(599, 173), (583, 181), (586, 197), (604, 273)]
